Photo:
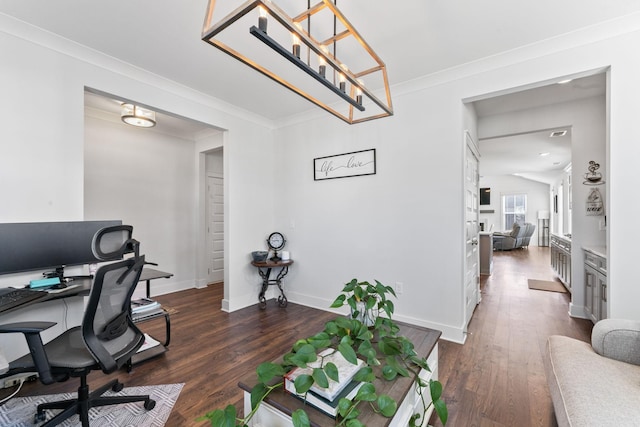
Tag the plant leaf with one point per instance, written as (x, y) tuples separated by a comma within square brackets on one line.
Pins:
[(441, 410), (344, 323), (388, 307), (331, 328), (258, 392), (339, 302), (300, 418), (332, 371), (320, 340), (388, 346), (304, 355), (303, 383), (354, 423), (435, 388), (343, 406), (267, 371), (364, 374), (387, 405), (367, 393), (349, 287), (371, 302), (320, 378), (388, 373), (348, 352)]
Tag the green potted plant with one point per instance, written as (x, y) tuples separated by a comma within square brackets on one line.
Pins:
[(387, 354), (366, 301)]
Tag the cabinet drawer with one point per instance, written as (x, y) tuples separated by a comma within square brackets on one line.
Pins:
[(602, 265), (591, 260)]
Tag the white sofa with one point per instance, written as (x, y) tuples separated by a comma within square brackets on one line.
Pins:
[(596, 384)]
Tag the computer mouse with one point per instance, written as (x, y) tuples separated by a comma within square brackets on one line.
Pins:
[(59, 286)]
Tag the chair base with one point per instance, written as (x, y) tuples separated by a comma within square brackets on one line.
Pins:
[(86, 401)]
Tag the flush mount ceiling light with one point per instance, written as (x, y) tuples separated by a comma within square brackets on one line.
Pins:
[(137, 116), (557, 133), (319, 41)]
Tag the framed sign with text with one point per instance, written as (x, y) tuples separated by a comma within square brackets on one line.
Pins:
[(357, 163)]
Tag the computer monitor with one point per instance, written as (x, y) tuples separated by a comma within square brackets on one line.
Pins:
[(33, 246)]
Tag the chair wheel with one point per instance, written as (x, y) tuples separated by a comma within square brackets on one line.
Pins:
[(149, 404), (39, 417), (118, 386)]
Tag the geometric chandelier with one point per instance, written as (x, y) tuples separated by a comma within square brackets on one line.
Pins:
[(334, 67)]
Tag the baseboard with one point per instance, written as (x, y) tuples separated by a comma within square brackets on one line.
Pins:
[(578, 311), (449, 333)]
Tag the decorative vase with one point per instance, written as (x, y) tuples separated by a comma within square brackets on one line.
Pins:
[(367, 317)]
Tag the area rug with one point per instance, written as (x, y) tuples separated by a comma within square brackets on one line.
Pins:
[(546, 285), (19, 411)]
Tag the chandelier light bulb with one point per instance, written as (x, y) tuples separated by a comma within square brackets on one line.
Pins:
[(262, 19), (296, 45)]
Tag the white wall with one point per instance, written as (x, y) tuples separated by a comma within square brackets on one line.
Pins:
[(405, 223), (146, 179), (537, 199), (42, 166)]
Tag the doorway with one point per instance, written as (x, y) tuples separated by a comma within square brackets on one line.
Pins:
[(578, 109)]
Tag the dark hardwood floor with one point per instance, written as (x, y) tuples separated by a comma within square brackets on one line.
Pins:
[(495, 379)]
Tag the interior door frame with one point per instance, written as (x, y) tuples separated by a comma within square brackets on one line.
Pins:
[(473, 147)]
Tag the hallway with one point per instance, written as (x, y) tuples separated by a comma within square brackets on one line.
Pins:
[(497, 378)]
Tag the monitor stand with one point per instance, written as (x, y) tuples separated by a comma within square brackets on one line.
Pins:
[(59, 273)]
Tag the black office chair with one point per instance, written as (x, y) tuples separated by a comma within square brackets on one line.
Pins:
[(106, 339)]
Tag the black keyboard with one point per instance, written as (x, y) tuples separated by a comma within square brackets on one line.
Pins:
[(10, 297)]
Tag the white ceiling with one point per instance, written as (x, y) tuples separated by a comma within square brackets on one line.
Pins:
[(520, 154), (414, 38)]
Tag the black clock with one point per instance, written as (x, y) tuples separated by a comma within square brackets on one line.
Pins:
[(276, 242)]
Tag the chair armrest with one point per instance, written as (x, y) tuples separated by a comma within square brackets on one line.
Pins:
[(25, 327), (617, 339), (31, 331)]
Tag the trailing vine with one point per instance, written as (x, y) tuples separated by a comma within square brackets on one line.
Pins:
[(387, 356)]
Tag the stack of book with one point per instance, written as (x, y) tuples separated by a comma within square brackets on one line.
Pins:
[(326, 399), (144, 307)]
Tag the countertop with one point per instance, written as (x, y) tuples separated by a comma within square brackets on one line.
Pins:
[(600, 251)]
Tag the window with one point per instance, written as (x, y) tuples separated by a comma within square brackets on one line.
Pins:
[(514, 209)]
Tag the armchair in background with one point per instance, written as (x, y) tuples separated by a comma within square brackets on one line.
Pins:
[(518, 237), (106, 339)]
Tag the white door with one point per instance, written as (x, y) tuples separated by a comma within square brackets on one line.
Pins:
[(215, 229), (471, 202)]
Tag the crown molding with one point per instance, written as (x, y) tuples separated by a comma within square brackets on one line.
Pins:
[(49, 40)]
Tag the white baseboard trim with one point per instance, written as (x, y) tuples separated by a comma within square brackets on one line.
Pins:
[(577, 311), (164, 286), (449, 333)]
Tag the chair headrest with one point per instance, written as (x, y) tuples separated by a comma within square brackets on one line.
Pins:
[(111, 243)]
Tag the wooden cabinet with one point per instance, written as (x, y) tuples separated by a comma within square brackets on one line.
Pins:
[(595, 281), (561, 259), (486, 253)]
